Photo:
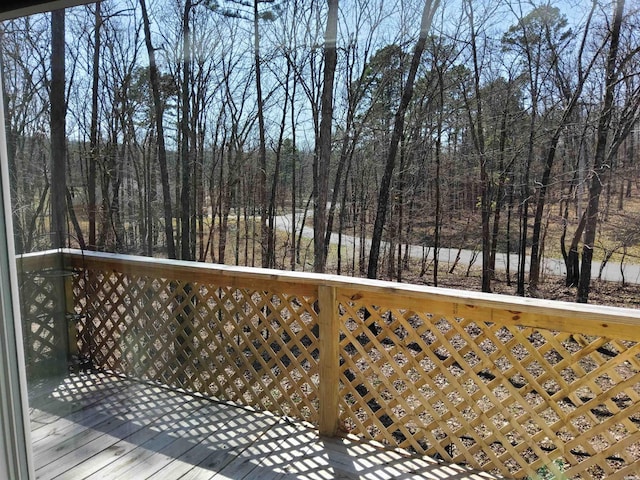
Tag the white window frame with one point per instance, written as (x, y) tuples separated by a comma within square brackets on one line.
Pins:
[(15, 444), (16, 459)]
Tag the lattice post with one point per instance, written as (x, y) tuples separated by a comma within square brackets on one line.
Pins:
[(328, 320)]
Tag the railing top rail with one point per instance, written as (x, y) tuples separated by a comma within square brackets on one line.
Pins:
[(38, 260), (612, 322)]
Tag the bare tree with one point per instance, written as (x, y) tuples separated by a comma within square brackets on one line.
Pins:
[(162, 150), (93, 129), (600, 167), (58, 130), (25, 74), (358, 79), (185, 152), (477, 133), (428, 12), (322, 155), (571, 97)]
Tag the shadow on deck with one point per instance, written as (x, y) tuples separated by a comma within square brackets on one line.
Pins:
[(101, 426)]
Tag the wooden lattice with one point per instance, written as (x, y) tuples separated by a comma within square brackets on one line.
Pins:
[(44, 321), (511, 400), (515, 387), (254, 347)]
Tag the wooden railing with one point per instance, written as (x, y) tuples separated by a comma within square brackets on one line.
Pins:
[(518, 387)]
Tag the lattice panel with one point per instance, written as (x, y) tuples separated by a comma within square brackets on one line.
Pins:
[(44, 324), (491, 396), (254, 347)]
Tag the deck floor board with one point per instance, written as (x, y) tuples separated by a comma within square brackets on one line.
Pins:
[(102, 427)]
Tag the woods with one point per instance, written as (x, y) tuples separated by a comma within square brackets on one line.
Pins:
[(214, 131)]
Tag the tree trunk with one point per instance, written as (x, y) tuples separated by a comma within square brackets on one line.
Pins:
[(262, 151), (500, 193), (93, 130), (477, 132), (162, 151), (599, 164), (276, 176), (398, 130), (185, 153), (322, 157), (349, 141), (12, 140), (399, 238), (198, 182), (196, 167), (58, 130), (343, 210), (294, 153), (572, 260), (509, 215), (536, 254), (74, 221), (524, 208), (437, 193)]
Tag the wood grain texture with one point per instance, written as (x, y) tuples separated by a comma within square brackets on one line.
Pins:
[(507, 385), (156, 433), (328, 321), (608, 321)]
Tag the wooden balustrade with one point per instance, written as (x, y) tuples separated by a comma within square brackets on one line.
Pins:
[(514, 386)]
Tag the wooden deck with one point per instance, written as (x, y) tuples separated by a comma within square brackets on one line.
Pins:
[(104, 427)]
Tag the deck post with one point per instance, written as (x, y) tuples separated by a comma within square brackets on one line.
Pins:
[(57, 277), (329, 341), (69, 311)]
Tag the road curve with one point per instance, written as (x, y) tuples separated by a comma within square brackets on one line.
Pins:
[(551, 266)]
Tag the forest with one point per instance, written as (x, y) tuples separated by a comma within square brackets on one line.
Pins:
[(357, 137)]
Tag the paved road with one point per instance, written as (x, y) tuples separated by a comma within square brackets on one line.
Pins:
[(551, 266)]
